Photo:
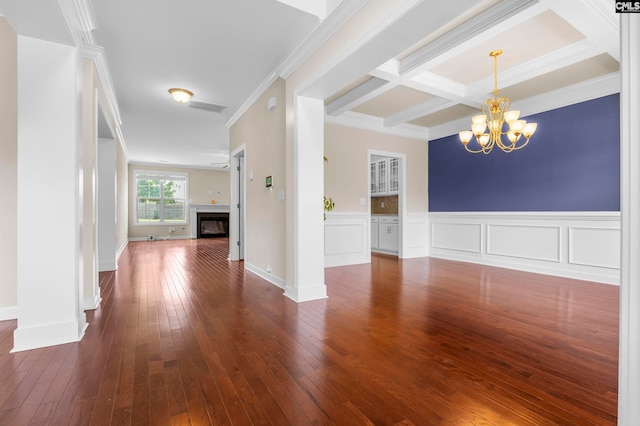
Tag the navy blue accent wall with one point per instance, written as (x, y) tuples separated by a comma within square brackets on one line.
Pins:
[(572, 163)]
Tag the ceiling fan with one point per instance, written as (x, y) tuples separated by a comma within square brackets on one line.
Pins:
[(224, 165)]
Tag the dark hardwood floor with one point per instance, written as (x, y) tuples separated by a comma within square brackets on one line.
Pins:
[(183, 336)]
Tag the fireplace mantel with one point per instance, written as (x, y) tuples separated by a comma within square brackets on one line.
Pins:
[(194, 209)]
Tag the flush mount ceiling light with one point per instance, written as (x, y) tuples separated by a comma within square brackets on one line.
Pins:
[(500, 121), (180, 95)]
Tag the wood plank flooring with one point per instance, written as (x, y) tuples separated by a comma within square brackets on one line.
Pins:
[(183, 336)]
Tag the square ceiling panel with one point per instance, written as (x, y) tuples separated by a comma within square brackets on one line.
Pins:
[(540, 35), (588, 69), (392, 101), (449, 114)]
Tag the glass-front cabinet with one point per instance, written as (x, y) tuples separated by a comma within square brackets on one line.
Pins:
[(385, 176)]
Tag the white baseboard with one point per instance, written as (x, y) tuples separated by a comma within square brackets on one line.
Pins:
[(306, 294), (273, 279), (8, 313), (26, 338), (92, 303), (580, 245), (160, 238), (107, 266)]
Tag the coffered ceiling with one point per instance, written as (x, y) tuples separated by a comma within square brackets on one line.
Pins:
[(555, 53), (421, 71)]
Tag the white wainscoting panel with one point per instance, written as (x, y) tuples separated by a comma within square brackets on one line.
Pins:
[(416, 235), (595, 246), (346, 239), (580, 245), (528, 242), (465, 237)]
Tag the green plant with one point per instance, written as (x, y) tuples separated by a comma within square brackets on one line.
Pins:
[(328, 202)]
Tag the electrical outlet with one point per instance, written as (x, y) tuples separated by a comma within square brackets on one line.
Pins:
[(382, 204)]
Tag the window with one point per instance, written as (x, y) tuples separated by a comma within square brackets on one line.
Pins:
[(160, 198)]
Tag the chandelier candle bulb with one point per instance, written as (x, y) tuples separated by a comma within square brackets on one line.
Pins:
[(529, 129), (512, 115)]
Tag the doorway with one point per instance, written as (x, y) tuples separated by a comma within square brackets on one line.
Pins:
[(386, 197)]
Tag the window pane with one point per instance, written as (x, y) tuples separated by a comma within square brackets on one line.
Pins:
[(148, 188), (148, 210), (174, 210), (178, 189)]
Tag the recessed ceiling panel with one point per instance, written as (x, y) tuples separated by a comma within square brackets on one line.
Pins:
[(537, 36), (588, 69), (453, 113), (392, 101)]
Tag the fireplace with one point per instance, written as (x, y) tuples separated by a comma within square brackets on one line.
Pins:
[(212, 225)]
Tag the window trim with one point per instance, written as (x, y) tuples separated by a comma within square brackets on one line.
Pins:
[(159, 175)]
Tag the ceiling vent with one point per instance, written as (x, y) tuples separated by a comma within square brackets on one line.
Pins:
[(207, 106)]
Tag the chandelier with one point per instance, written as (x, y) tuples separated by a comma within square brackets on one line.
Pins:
[(500, 122)]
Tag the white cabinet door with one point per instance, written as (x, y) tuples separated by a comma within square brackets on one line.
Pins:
[(374, 233), (394, 175), (383, 176), (374, 177), (388, 234)]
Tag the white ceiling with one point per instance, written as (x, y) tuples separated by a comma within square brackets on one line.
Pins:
[(220, 50), (422, 75)]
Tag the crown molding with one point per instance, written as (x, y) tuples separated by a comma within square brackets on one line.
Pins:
[(376, 124), (266, 83), (121, 142), (580, 92), (319, 36), (308, 47), (80, 20), (178, 166), (97, 55)]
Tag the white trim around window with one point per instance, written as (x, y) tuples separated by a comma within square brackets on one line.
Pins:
[(160, 198)]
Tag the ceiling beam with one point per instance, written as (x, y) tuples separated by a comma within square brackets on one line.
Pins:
[(364, 92)]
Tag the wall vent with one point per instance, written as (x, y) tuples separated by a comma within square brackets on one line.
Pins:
[(207, 106)]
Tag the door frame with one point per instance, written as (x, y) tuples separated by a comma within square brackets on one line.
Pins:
[(237, 212), (402, 195)]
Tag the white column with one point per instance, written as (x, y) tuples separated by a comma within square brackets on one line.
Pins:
[(106, 202), (629, 359), (49, 195), (307, 256)]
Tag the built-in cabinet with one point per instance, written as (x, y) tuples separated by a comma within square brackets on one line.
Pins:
[(385, 176), (384, 234)]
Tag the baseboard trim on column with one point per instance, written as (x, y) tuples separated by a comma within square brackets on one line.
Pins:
[(306, 294), (27, 338)]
